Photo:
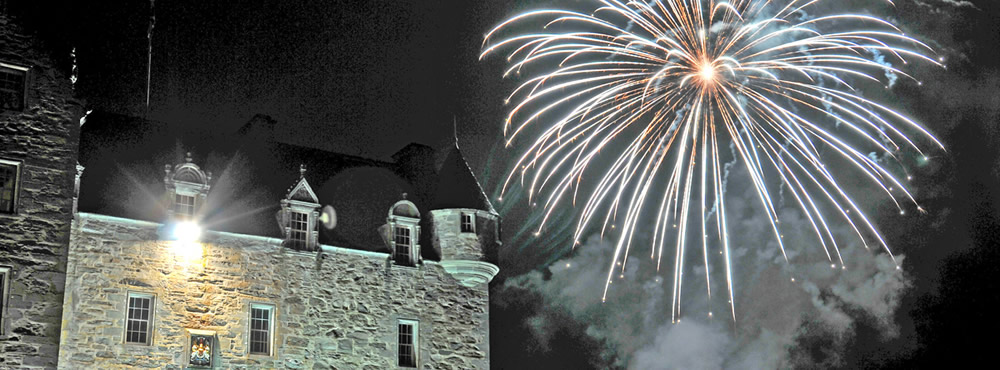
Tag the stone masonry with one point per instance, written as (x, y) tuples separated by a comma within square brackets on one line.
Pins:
[(452, 244), (336, 309), (43, 138)]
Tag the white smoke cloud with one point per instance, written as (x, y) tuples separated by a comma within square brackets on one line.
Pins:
[(773, 313), (687, 345), (941, 6)]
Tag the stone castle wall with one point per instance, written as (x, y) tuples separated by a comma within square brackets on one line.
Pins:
[(44, 138), (451, 243), (338, 311)]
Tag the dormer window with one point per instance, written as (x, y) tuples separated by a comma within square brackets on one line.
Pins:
[(298, 215), (404, 224), (12, 87), (187, 188), (468, 223)]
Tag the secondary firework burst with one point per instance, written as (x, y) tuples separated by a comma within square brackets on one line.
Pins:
[(668, 91)]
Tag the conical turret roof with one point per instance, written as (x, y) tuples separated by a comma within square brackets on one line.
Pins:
[(457, 186)]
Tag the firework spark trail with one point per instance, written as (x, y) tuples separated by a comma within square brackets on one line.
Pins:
[(661, 91)]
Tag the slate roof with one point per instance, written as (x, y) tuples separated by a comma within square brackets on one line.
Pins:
[(457, 186), (251, 173)]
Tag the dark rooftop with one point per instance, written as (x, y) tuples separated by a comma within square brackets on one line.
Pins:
[(124, 159), (457, 185)]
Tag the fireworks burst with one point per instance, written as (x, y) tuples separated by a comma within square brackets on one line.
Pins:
[(666, 85)]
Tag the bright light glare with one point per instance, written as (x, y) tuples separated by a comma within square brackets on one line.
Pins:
[(707, 72), (187, 232), (189, 251)]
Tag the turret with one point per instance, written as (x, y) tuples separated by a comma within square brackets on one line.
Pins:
[(465, 229)]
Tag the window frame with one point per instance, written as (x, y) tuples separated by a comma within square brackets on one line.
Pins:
[(415, 342), (24, 84), (178, 196), (271, 318), (396, 255), (5, 277), (16, 195), (149, 321), (293, 231), (472, 222)]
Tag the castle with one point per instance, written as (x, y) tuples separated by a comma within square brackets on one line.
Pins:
[(126, 243)]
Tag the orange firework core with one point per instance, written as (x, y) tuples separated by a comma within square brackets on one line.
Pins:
[(707, 72)]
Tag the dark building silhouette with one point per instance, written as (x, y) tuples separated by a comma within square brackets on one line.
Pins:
[(39, 129)]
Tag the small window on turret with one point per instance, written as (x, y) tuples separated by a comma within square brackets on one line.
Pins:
[(468, 223)]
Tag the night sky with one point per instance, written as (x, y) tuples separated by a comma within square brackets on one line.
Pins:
[(368, 77)]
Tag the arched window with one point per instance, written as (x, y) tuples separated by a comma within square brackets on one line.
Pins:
[(187, 187), (404, 226)]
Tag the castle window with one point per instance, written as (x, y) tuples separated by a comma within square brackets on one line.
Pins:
[(299, 214), (407, 343), (139, 319), (10, 172), (261, 328), (184, 206), (468, 222), (12, 87), (403, 232), (298, 229), (403, 245), (187, 189), (4, 287)]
